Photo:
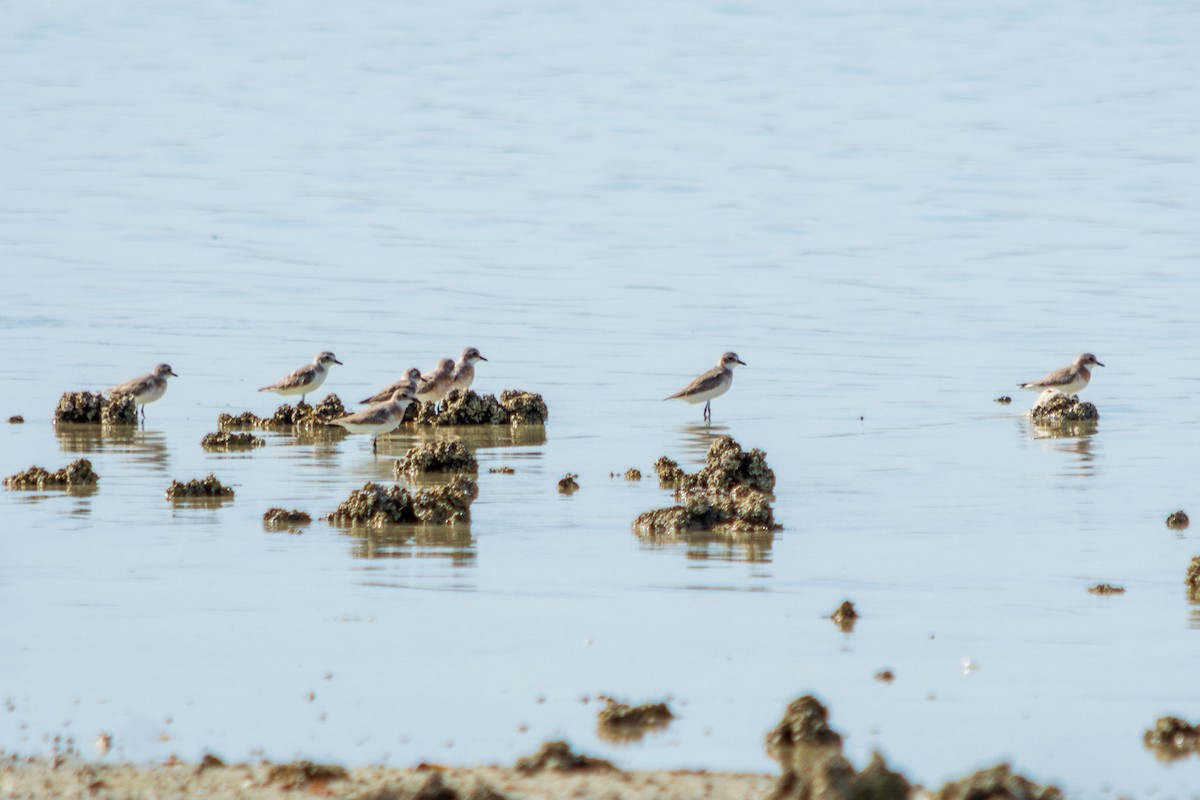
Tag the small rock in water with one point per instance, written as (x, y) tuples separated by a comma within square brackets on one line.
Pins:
[(502, 470), (15, 419), (1106, 588), (225, 440), (1058, 409), (567, 484), (243, 421), (621, 722), (1173, 738), (377, 506), (281, 518), (1178, 521), (513, 407), (93, 407), (633, 474), (448, 456), (1003, 399), (845, 616), (206, 488), (1192, 579), (557, 756), (76, 474)]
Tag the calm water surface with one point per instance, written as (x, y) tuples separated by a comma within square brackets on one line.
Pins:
[(892, 213)]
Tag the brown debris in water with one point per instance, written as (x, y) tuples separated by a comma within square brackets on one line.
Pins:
[(568, 483), (305, 774), (1172, 738), (76, 474), (224, 440), (93, 407), (731, 493), (448, 456), (206, 488), (1106, 588), (15, 419), (514, 407), (845, 616), (557, 756), (1060, 409), (377, 506), (997, 782), (633, 474), (621, 722), (885, 676), (1178, 521), (281, 518)]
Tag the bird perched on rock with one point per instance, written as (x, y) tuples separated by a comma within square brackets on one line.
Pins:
[(306, 379), (1068, 380)]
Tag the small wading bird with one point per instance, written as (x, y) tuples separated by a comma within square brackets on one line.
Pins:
[(1067, 380), (306, 379), (145, 388), (435, 384), (713, 383), (407, 381), (463, 374), (380, 419)]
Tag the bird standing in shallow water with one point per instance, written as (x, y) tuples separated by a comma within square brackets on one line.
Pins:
[(713, 383), (145, 388), (380, 419), (306, 379), (1068, 380)]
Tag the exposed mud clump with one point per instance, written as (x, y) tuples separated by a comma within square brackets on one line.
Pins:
[(568, 483), (513, 407), (556, 756), (668, 471), (1059, 409), (93, 407), (633, 474), (225, 440), (1172, 738), (78, 473), (1106, 588), (305, 774), (997, 782), (449, 456), (242, 422), (16, 419), (731, 493), (378, 506), (206, 488), (282, 519), (1178, 521), (845, 616), (621, 722)]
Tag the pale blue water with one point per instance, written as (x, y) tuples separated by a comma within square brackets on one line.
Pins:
[(893, 213)]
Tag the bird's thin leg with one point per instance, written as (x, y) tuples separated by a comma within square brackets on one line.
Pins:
[(708, 409), (375, 445)]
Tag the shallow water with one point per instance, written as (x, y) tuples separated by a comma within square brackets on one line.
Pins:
[(893, 214)]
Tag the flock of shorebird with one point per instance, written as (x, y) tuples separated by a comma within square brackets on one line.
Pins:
[(387, 406)]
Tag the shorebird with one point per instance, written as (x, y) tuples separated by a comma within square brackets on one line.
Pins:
[(464, 370), (435, 384), (145, 388), (380, 419), (1067, 380), (407, 381), (306, 379), (713, 383)]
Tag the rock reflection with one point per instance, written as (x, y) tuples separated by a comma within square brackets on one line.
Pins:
[(750, 547), (1075, 439), (454, 542), (147, 447)]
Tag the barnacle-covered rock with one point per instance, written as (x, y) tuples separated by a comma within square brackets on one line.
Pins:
[(445, 456), (731, 494), (1178, 520), (377, 506), (1060, 409), (93, 407), (281, 518), (16, 419), (1193, 578), (224, 440), (77, 473), (299, 774), (1106, 588), (243, 421), (621, 722), (845, 616), (524, 408), (468, 408), (304, 416), (446, 504), (805, 723), (633, 474), (568, 483), (997, 781), (668, 470), (1172, 738), (557, 756), (206, 488)]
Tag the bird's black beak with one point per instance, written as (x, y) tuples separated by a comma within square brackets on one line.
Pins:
[(481, 358), (743, 363), (1098, 364), (338, 362), (176, 374)]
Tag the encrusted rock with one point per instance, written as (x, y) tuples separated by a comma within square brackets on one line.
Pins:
[(1003, 400), (731, 493), (281, 518), (1178, 521), (556, 756), (1193, 577), (93, 407), (15, 419), (997, 782), (206, 488), (845, 616), (299, 774), (514, 407), (375, 505), (448, 456), (1106, 588), (1172, 738), (1058, 409), (243, 421), (567, 484), (77, 473), (633, 474), (225, 440), (668, 471), (304, 416), (502, 470), (805, 723), (621, 722)]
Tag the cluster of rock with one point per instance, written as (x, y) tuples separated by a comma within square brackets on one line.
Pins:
[(1061, 409), (282, 519), (226, 440), (95, 408), (301, 416), (447, 456), (206, 488), (375, 505), (621, 722), (1173, 738), (514, 407), (557, 756), (731, 494), (76, 474)]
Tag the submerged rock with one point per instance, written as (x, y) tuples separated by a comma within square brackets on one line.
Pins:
[(1173, 738), (299, 774), (225, 440), (1060, 409), (568, 483), (514, 407), (805, 723), (377, 506), (621, 722), (206, 488), (76, 474), (845, 616), (1178, 521), (244, 421), (557, 756), (731, 493), (1192, 579), (15, 419), (633, 474), (502, 470), (93, 407), (1003, 400), (1106, 588), (448, 456), (997, 782), (281, 518)]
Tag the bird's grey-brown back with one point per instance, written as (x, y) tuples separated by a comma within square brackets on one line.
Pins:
[(435, 384), (305, 379), (153, 383), (408, 380), (1069, 379)]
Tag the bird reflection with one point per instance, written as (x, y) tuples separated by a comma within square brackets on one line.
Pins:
[(698, 438)]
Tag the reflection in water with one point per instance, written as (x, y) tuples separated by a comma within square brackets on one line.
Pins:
[(147, 447), (415, 541), (752, 547), (1073, 438), (698, 438)]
